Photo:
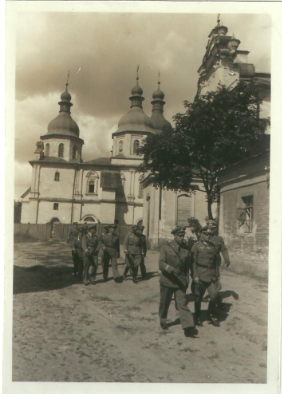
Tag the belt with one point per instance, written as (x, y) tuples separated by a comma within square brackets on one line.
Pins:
[(135, 245), (207, 266)]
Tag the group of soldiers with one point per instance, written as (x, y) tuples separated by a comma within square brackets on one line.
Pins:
[(86, 246), (199, 259)]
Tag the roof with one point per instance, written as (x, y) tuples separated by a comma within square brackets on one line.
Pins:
[(99, 161), (26, 193), (52, 159)]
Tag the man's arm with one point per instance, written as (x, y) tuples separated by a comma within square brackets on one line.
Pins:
[(125, 242), (194, 253), (84, 243), (224, 252), (163, 265)]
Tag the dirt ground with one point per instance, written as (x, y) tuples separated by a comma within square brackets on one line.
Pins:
[(64, 331)]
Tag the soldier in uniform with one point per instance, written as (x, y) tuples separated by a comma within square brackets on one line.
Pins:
[(205, 276), (71, 239), (174, 265), (90, 246), (109, 242), (79, 251), (144, 251), (220, 249), (133, 249)]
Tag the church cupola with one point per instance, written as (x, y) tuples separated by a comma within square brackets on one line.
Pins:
[(62, 137), (158, 120)]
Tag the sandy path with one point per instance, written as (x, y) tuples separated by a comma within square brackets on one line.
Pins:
[(110, 332)]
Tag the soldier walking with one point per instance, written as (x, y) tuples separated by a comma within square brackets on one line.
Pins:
[(144, 252), (109, 242), (174, 265), (205, 276), (90, 248), (79, 251), (133, 249), (71, 239)]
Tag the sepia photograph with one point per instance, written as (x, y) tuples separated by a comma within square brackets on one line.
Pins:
[(140, 242)]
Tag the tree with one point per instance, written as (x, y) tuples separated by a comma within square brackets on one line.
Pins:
[(17, 211), (218, 129)]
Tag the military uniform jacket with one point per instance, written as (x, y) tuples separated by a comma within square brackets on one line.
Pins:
[(220, 248), (110, 243), (133, 244), (144, 244), (91, 243), (204, 261), (173, 256), (72, 237)]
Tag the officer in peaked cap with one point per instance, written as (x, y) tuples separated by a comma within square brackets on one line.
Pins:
[(133, 249), (205, 275), (109, 242), (174, 265), (90, 246)]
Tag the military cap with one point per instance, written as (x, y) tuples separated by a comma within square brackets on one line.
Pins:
[(178, 230), (211, 223), (134, 227), (141, 227), (75, 223), (206, 230), (91, 227)]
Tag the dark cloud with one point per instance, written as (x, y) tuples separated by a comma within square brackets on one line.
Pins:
[(106, 48)]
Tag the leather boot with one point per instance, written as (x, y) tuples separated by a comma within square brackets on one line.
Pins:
[(198, 320), (212, 314)]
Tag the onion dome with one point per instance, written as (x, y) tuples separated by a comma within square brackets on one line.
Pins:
[(63, 124), (157, 118), (135, 120)]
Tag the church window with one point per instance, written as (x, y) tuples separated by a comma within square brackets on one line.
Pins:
[(61, 150), (140, 191), (136, 145), (74, 153), (56, 206), (47, 149), (89, 219), (57, 176), (120, 146), (183, 209), (92, 182)]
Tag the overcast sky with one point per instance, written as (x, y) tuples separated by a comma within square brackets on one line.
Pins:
[(102, 51)]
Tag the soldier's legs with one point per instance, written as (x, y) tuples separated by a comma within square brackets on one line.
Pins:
[(106, 265), (75, 262), (212, 308), (199, 291), (186, 317), (165, 299), (143, 267), (86, 264), (93, 267), (114, 266), (136, 262)]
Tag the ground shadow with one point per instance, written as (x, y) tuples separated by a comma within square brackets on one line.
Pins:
[(226, 294), (41, 278), (148, 276)]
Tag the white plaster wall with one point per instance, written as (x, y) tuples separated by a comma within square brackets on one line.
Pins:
[(128, 140), (90, 209), (25, 212), (56, 189), (68, 147), (46, 212)]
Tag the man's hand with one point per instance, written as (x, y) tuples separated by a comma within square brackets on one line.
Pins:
[(176, 271), (196, 279)]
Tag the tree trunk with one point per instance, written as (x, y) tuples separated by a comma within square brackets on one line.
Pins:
[(210, 208)]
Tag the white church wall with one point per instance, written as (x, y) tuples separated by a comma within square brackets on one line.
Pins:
[(47, 212), (50, 188), (90, 209), (54, 147), (25, 212)]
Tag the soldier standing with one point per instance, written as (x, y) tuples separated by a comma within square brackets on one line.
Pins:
[(79, 251), (133, 249), (205, 276), (174, 265), (71, 239), (144, 252), (109, 242), (90, 248)]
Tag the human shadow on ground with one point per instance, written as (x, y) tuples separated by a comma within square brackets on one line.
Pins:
[(226, 294), (41, 278), (148, 276)]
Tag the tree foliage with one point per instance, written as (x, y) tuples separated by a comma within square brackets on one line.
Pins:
[(216, 130)]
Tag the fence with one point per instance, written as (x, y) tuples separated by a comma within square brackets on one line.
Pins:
[(60, 231)]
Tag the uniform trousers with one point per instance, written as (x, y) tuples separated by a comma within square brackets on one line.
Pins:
[(90, 266), (200, 289), (75, 260), (79, 261), (135, 261), (166, 293), (107, 257)]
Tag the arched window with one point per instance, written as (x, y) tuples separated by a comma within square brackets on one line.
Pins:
[(74, 153), (183, 209), (140, 190), (92, 182), (47, 149), (135, 146), (89, 219), (61, 150), (57, 176), (120, 146)]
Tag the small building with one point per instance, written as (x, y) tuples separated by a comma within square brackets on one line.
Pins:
[(244, 212)]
